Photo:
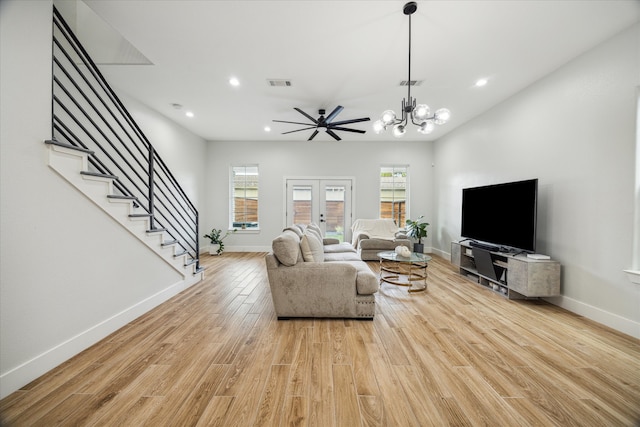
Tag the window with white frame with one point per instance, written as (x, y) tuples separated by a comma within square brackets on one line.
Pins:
[(394, 192), (244, 197)]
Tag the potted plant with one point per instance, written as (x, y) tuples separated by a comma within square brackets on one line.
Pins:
[(417, 230), (216, 247)]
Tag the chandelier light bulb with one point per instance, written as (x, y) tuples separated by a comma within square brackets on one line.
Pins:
[(398, 131), (421, 113), (378, 126), (426, 127), (442, 116), (388, 117)]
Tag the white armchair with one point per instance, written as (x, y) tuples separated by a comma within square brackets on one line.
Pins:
[(371, 236)]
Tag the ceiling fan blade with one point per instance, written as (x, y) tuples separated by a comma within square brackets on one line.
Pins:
[(347, 129), (313, 135), (333, 134), (298, 130), (306, 115), (346, 122), (294, 123), (334, 113)]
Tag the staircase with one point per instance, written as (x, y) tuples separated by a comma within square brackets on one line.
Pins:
[(72, 164), (97, 146)]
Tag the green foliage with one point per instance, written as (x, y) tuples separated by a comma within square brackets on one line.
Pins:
[(215, 236), (417, 229)]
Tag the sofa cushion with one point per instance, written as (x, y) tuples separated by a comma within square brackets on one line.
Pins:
[(314, 246), (341, 256), (337, 247), (286, 247)]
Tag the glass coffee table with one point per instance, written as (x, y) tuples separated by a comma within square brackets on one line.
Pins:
[(408, 271)]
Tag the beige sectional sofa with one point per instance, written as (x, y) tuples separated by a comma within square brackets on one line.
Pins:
[(314, 277), (370, 236)]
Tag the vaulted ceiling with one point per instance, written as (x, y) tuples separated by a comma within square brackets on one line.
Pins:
[(349, 53)]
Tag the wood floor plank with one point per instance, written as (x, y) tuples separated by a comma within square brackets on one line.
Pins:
[(396, 410), (372, 411), (419, 396), (456, 354), (300, 378), (296, 411), (216, 412), (345, 397), (365, 382), (271, 406), (322, 405)]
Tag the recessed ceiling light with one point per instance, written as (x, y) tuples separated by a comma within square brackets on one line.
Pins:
[(189, 114), (267, 129), (481, 82), (233, 81)]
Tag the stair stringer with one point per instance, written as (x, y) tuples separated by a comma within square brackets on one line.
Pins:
[(69, 163)]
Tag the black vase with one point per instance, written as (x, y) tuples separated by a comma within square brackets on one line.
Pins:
[(418, 247)]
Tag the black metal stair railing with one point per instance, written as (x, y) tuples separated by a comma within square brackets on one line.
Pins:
[(87, 114)]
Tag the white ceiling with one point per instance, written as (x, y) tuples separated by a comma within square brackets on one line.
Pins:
[(349, 53)]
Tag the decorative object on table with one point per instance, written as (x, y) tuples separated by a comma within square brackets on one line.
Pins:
[(216, 247), (403, 251), (325, 122), (417, 230), (420, 114)]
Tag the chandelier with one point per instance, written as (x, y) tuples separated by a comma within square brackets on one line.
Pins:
[(420, 114)]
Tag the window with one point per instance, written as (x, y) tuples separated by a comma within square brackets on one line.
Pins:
[(393, 193), (244, 197)]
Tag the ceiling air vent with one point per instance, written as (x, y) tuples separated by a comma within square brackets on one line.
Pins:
[(279, 82), (411, 83)]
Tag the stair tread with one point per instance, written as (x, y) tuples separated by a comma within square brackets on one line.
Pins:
[(98, 174), (191, 261), (139, 215), (169, 242), (121, 197), (156, 230), (199, 270), (180, 254), (69, 146)]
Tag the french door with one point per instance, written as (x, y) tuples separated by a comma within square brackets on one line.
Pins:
[(327, 202)]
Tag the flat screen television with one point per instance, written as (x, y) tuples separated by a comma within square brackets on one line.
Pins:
[(502, 215)]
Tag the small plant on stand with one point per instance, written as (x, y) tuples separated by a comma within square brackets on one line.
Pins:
[(417, 230), (215, 236)]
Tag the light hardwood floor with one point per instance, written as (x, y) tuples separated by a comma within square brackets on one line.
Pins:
[(457, 354)]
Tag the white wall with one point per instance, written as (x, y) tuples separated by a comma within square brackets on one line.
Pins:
[(66, 279), (361, 160), (183, 152), (574, 130)]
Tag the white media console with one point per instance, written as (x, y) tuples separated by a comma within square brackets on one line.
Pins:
[(514, 276)]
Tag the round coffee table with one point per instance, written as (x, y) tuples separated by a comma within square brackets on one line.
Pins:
[(408, 271)]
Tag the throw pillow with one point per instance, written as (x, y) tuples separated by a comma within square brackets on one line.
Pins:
[(295, 230), (307, 253), (315, 227), (286, 247), (315, 245)]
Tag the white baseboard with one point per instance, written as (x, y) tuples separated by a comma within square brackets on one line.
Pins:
[(20, 376), (624, 325), (227, 248), (443, 254), (619, 323)]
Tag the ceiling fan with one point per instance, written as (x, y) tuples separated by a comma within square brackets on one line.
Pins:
[(325, 122)]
